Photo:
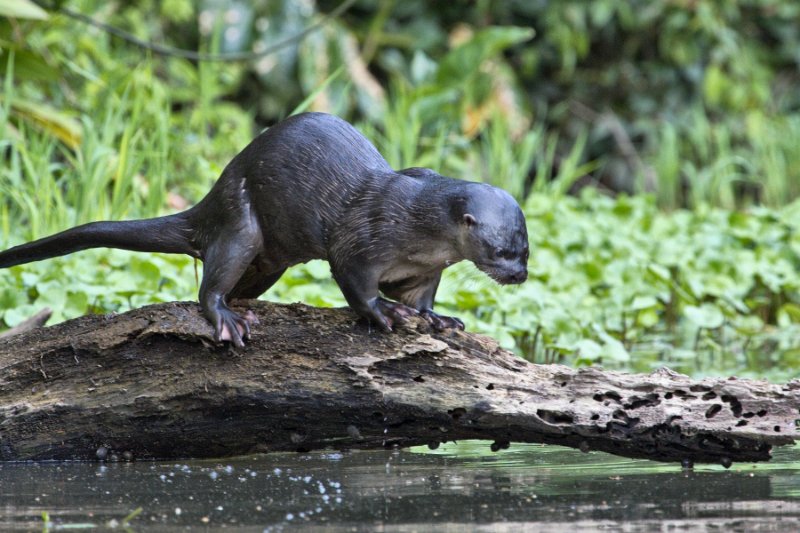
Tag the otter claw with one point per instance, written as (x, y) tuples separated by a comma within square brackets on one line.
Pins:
[(440, 323)]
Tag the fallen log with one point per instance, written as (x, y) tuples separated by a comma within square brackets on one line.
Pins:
[(36, 321), (150, 384)]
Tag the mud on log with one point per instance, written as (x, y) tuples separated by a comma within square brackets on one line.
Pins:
[(150, 384)]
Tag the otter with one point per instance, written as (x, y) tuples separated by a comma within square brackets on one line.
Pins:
[(312, 187)]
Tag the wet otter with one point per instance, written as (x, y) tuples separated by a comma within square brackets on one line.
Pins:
[(312, 187)]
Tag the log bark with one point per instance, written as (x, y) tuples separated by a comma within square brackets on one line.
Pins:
[(150, 383)]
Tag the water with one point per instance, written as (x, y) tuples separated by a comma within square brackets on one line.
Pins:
[(462, 487)]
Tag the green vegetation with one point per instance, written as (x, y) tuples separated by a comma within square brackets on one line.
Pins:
[(697, 267)]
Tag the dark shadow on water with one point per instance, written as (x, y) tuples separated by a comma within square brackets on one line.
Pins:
[(461, 487)]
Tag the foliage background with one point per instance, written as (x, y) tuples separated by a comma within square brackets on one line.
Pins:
[(655, 147)]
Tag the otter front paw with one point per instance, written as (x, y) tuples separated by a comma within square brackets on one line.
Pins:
[(439, 322)]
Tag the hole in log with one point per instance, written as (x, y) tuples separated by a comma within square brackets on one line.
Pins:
[(668, 396), (741, 423), (709, 396), (613, 395), (554, 417), (457, 413), (595, 417), (683, 395), (699, 388), (749, 415), (636, 402), (490, 386), (419, 379), (762, 412), (608, 395), (713, 410), (736, 405), (377, 415), (563, 383), (622, 418), (777, 429)]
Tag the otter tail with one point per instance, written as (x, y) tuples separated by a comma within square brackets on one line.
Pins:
[(170, 234)]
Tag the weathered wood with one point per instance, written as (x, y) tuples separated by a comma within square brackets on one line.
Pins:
[(150, 384)]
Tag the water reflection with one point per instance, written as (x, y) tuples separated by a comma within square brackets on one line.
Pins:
[(463, 487)]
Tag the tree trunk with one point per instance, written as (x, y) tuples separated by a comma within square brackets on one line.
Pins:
[(150, 383)]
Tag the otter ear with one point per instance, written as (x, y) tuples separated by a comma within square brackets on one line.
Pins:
[(469, 220)]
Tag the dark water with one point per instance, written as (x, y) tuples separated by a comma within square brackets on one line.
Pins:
[(461, 487)]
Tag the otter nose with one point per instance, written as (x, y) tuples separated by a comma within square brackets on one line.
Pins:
[(519, 276)]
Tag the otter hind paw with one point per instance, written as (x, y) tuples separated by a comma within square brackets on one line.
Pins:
[(232, 327), (394, 312)]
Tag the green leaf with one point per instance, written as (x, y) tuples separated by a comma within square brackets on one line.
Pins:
[(465, 60), (14, 316), (76, 303), (715, 84), (748, 325), (22, 9), (647, 318), (51, 120), (613, 349), (147, 272), (644, 302), (29, 65), (788, 313), (588, 350), (705, 316), (318, 270)]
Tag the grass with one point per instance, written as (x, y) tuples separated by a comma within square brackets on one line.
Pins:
[(731, 162)]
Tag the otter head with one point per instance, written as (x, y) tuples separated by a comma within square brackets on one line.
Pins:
[(492, 233)]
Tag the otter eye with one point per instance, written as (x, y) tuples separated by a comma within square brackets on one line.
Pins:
[(498, 253)]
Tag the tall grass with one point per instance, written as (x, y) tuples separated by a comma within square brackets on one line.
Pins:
[(47, 185), (411, 132), (133, 150), (729, 162)]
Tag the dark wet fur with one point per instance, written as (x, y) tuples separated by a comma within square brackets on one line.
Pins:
[(312, 187)]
